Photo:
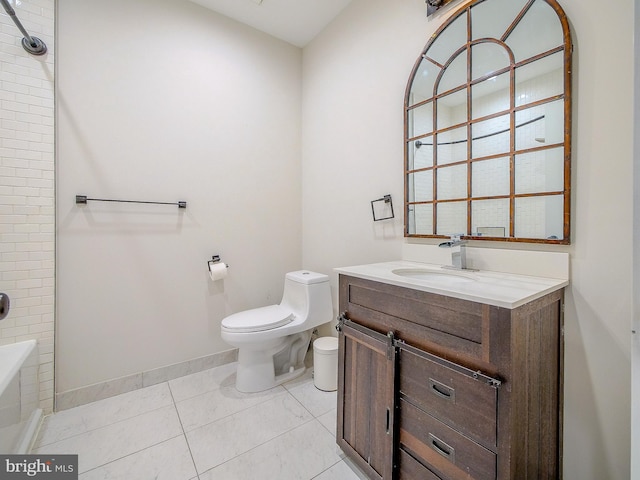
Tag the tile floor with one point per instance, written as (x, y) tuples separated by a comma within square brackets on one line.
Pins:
[(201, 427)]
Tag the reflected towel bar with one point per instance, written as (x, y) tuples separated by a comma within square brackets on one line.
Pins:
[(83, 199)]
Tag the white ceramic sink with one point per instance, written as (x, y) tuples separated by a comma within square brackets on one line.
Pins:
[(432, 275)]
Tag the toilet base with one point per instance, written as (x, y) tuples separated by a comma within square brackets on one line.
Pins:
[(248, 384), (260, 370)]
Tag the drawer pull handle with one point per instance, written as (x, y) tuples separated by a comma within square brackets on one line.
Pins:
[(442, 448), (388, 420), (442, 391)]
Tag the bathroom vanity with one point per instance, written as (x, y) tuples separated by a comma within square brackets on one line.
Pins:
[(450, 375)]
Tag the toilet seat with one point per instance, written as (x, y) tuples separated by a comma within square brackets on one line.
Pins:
[(258, 319)]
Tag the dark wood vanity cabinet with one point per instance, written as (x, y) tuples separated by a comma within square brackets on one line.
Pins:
[(434, 387)]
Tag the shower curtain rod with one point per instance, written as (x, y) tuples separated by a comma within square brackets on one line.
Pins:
[(32, 45), (419, 144)]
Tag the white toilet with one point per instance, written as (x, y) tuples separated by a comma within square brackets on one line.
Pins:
[(272, 341)]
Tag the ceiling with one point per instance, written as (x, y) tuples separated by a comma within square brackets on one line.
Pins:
[(294, 21)]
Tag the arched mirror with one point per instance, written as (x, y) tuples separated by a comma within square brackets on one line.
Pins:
[(488, 126)]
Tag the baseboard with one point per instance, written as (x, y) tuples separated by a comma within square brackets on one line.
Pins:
[(117, 386)]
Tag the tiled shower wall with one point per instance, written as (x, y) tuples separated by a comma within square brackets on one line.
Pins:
[(27, 202)]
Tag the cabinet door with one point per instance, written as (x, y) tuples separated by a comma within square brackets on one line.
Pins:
[(365, 399)]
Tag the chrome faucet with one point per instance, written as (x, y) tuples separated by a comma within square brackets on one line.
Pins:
[(458, 252)]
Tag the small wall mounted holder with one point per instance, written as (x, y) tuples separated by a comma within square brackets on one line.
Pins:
[(214, 260), (217, 269), (382, 208), (83, 199)]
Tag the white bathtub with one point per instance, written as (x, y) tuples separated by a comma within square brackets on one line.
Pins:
[(19, 412)]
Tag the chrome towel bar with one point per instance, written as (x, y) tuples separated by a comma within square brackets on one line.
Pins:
[(83, 199)]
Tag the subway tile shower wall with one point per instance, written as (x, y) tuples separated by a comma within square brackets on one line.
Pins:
[(490, 177), (27, 204)]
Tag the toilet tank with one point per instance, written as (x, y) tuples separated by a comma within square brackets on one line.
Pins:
[(308, 295)]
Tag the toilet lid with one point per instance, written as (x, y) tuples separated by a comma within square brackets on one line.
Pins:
[(258, 319)]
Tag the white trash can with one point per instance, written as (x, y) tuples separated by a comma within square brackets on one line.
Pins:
[(325, 363)]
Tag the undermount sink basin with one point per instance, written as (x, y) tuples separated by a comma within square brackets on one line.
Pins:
[(440, 276)]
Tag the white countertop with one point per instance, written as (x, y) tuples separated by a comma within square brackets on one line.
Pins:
[(506, 290)]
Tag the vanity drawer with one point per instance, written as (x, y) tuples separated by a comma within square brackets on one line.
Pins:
[(411, 469), (445, 391), (450, 453), (458, 327)]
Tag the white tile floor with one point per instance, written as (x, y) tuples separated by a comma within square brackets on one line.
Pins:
[(201, 427)]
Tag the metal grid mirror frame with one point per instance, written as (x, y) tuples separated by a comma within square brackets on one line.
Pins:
[(450, 198)]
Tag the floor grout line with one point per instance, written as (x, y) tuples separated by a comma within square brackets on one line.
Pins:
[(263, 443), (184, 434), (262, 402), (267, 440), (325, 470), (130, 454), (75, 435)]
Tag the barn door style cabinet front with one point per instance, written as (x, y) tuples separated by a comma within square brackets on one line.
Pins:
[(435, 387), (366, 414)]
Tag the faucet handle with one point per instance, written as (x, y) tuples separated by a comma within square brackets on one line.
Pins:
[(454, 240)]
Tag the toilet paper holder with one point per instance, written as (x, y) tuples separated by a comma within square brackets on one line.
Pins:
[(215, 259)]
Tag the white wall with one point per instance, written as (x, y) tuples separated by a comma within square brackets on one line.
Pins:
[(355, 74), (599, 304), (163, 100), (27, 212)]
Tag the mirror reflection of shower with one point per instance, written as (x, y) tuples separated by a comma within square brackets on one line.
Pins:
[(487, 114)]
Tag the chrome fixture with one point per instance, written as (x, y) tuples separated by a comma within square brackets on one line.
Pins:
[(435, 5), (83, 199), (382, 208), (5, 304), (32, 45), (458, 253), (215, 259)]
